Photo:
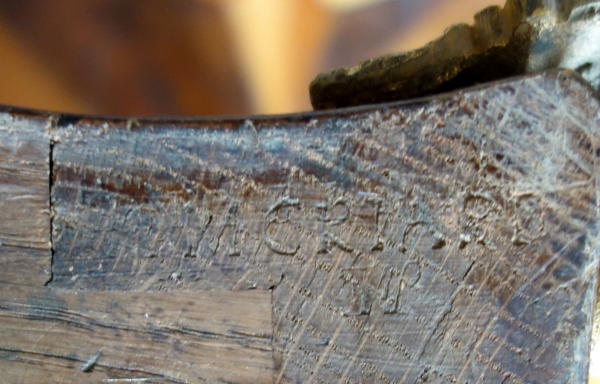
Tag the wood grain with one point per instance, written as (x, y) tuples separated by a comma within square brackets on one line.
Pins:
[(24, 182), (447, 239), (24, 199), (182, 337), (24, 266)]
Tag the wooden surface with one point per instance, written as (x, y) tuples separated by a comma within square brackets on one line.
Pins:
[(48, 336), (446, 239), (182, 337), (24, 200)]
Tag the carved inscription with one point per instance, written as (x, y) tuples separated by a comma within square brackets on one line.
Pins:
[(329, 214), (379, 269), (394, 254), (376, 200), (392, 284), (230, 221), (272, 218), (364, 256)]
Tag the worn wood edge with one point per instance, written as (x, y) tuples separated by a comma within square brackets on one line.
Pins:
[(25, 178), (25, 244), (62, 119)]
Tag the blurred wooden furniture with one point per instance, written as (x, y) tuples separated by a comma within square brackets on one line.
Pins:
[(202, 57)]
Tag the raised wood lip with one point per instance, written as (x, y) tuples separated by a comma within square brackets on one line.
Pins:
[(64, 119)]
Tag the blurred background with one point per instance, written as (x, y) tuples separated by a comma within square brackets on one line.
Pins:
[(199, 57)]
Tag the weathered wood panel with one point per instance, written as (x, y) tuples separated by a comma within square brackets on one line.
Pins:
[(24, 199), (449, 239), (24, 182), (183, 337)]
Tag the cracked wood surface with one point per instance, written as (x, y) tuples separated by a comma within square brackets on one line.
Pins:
[(439, 240)]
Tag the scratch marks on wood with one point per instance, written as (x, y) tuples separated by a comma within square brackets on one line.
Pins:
[(230, 220), (397, 248), (89, 365)]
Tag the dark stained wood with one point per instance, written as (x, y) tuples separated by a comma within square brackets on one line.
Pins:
[(49, 336), (447, 239)]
